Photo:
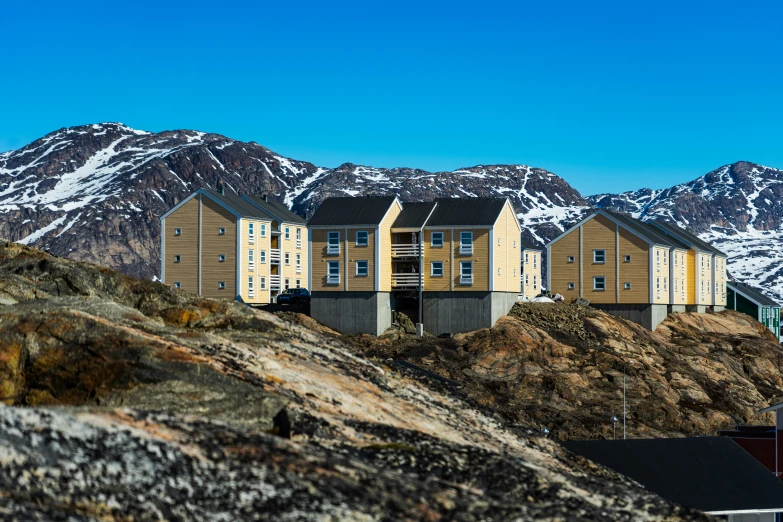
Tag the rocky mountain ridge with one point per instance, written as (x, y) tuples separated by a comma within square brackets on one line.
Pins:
[(95, 193)]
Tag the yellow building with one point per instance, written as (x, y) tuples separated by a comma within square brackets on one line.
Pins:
[(453, 262), (637, 270), (531, 281), (222, 245)]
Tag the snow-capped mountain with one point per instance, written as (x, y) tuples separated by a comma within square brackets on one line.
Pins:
[(95, 193)]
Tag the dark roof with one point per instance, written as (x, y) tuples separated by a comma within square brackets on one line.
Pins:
[(687, 237), (413, 215), (237, 204), (643, 229), (277, 209), (529, 246), (347, 211), (752, 292), (705, 473), (466, 212)]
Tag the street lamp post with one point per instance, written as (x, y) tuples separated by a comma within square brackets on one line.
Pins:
[(630, 361), (614, 420)]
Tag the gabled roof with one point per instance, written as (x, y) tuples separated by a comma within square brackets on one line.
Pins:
[(231, 202), (686, 237), (275, 209), (752, 293), (643, 229), (349, 211), (414, 215), (529, 246), (711, 474), (468, 212)]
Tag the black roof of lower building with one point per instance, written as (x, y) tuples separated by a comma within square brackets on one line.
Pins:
[(711, 474), (753, 293), (349, 211), (688, 237), (414, 215), (529, 246), (643, 229), (277, 209), (466, 212)]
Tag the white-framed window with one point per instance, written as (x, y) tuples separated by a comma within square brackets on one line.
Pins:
[(515, 244), (658, 286), (177, 259), (702, 289), (262, 256), (287, 232), (251, 259), (466, 243), (527, 279), (535, 260), (466, 272), (436, 239), (676, 258), (250, 288), (626, 259), (221, 285), (299, 283), (362, 238), (287, 258), (599, 282), (599, 256), (708, 262), (222, 258), (251, 233), (498, 270), (299, 263), (177, 284), (177, 231), (527, 257), (333, 243), (436, 269), (535, 282), (498, 241), (332, 272), (221, 231), (362, 268), (665, 259), (298, 238), (627, 286), (676, 285), (570, 259), (263, 229), (571, 286), (665, 283), (287, 283), (262, 283), (515, 272)]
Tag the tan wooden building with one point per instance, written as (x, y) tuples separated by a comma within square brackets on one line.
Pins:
[(638, 270), (222, 245), (531, 283), (453, 262)]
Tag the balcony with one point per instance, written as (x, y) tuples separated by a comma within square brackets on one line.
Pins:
[(405, 250), (298, 243), (333, 250), (466, 280), (466, 249), (298, 269), (406, 280), (274, 281), (333, 280), (274, 255)]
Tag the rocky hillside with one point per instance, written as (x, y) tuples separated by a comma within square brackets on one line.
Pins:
[(136, 401), (95, 193), (560, 366)]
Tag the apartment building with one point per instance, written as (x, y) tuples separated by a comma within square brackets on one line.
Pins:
[(221, 245), (635, 269), (451, 264), (531, 282)]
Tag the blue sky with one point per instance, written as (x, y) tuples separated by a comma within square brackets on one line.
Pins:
[(610, 95)]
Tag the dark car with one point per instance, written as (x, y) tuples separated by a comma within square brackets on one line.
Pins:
[(294, 296)]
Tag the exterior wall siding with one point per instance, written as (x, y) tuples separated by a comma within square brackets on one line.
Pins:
[(318, 266), (561, 271), (530, 277), (443, 254), (185, 245), (720, 279), (361, 253), (704, 292), (480, 259), (690, 272), (680, 277), (506, 253), (599, 233), (260, 270), (213, 271), (385, 235), (636, 271), (660, 275)]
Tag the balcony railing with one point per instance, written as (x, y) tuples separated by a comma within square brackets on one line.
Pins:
[(274, 255), (466, 249), (333, 280), (405, 250), (466, 280), (333, 250), (274, 281), (298, 269), (406, 280), (298, 243)]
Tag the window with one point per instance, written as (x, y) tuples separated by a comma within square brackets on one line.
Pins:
[(436, 269), (436, 240), (287, 258), (515, 272), (570, 259), (177, 259), (287, 283), (665, 259), (333, 273), (222, 258), (177, 231), (658, 286), (599, 256), (665, 283), (221, 231), (626, 259), (361, 238), (498, 241), (262, 256), (527, 257), (299, 283), (570, 286), (466, 243), (299, 263), (498, 270), (627, 286), (251, 261), (599, 282), (251, 233), (262, 283), (361, 269), (515, 244), (466, 272), (535, 282), (298, 238), (675, 284), (250, 289), (535, 260), (222, 285), (263, 229), (287, 233), (333, 243), (177, 284), (708, 262), (676, 257), (527, 279)]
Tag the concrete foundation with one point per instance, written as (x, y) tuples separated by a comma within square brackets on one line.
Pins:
[(457, 312), (718, 308), (677, 309), (647, 315), (698, 309), (353, 312)]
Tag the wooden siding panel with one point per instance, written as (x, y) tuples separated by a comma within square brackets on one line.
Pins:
[(690, 268), (480, 259), (361, 253), (213, 217), (636, 271), (260, 270), (385, 237), (720, 279), (437, 284), (660, 275), (599, 233), (680, 264), (186, 245), (318, 264), (563, 272), (506, 253)]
